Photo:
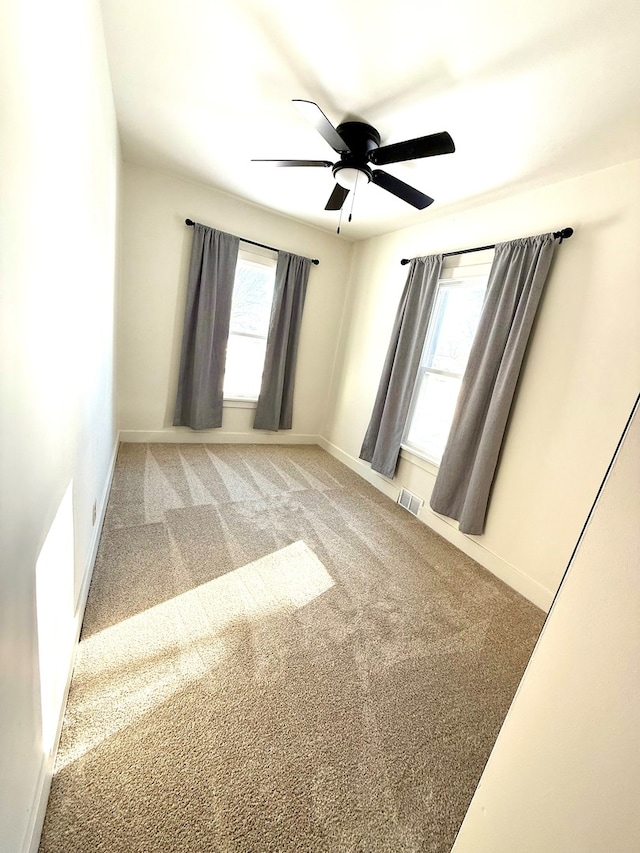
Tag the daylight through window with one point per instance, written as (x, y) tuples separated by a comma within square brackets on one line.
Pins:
[(452, 327), (250, 312)]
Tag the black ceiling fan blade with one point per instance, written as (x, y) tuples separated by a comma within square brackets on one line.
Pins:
[(400, 189), (312, 112), (413, 149), (324, 163), (337, 197)]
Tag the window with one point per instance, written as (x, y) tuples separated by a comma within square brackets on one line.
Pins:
[(452, 327), (250, 312)]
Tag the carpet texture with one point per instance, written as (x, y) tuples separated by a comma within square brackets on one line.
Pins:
[(275, 657)]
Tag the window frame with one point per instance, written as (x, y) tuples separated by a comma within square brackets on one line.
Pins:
[(456, 270), (250, 255)]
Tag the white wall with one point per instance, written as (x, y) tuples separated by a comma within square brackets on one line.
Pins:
[(155, 262), (581, 373), (564, 775), (59, 175)]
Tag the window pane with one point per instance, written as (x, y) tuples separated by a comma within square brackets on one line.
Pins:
[(252, 297), (244, 365), (249, 326), (432, 414), (453, 325)]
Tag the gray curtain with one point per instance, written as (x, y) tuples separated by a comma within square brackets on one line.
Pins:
[(381, 445), (470, 459), (275, 403), (206, 328)]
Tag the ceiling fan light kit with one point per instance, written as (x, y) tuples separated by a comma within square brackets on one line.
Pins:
[(358, 145), (348, 176)]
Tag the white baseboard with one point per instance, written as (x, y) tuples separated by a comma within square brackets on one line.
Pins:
[(512, 576), (83, 592), (178, 435), (383, 484), (43, 786)]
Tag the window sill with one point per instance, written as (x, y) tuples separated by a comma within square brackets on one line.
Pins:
[(420, 461), (239, 404)]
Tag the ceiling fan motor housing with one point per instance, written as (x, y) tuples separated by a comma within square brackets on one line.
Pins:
[(361, 139)]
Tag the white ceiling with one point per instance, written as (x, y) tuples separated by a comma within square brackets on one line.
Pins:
[(532, 91)]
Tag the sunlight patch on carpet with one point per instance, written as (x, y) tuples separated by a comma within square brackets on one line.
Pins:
[(126, 670)]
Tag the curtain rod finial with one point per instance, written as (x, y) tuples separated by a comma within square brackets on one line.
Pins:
[(189, 222), (564, 234)]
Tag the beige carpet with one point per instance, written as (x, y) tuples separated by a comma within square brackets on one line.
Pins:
[(275, 657)]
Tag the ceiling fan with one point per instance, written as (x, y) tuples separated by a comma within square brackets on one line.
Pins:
[(358, 145)]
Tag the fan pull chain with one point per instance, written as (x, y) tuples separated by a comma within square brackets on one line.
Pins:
[(353, 197), (339, 221)]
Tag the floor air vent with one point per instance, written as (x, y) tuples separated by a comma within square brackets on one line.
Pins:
[(409, 501)]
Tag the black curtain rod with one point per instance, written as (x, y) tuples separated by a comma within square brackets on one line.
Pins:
[(563, 235), (191, 223)]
